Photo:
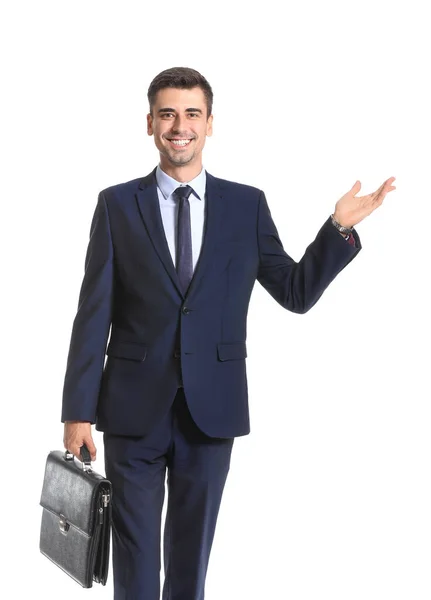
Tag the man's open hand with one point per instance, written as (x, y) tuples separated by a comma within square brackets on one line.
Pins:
[(77, 433), (351, 209)]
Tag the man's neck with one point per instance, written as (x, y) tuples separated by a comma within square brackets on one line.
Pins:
[(183, 173)]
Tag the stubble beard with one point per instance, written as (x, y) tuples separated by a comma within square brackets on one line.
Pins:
[(179, 159)]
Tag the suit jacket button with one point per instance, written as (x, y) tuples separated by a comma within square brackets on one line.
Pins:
[(177, 354), (186, 310)]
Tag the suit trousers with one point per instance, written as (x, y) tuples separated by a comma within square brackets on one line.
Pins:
[(197, 466)]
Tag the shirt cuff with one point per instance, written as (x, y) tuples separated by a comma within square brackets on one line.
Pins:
[(350, 239)]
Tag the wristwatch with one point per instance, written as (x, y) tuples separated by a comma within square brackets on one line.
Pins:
[(341, 227)]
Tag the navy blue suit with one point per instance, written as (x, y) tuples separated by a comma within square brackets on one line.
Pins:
[(161, 340)]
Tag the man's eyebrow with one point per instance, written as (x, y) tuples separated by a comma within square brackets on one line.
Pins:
[(162, 110)]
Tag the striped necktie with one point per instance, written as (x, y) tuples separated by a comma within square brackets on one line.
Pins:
[(184, 259)]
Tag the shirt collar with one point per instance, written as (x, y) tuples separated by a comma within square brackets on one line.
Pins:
[(168, 184)]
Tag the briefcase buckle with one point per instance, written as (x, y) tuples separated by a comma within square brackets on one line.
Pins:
[(63, 524)]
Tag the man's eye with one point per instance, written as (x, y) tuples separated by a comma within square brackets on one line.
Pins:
[(191, 114)]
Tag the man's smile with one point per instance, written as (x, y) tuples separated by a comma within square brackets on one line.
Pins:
[(179, 143)]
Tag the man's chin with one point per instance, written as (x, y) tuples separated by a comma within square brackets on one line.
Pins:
[(183, 159)]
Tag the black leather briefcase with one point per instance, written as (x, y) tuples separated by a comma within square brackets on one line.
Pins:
[(76, 518)]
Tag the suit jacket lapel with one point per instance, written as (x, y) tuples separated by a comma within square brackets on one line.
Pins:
[(149, 207)]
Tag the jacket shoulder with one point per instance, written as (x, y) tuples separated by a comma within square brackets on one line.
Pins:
[(125, 187), (237, 187)]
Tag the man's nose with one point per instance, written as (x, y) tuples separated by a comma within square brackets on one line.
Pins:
[(180, 124)]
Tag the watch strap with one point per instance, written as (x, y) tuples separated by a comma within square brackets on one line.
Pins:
[(341, 227)]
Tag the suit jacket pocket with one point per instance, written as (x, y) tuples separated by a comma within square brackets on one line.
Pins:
[(231, 350), (128, 350)]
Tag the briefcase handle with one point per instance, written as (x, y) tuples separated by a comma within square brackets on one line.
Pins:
[(86, 457)]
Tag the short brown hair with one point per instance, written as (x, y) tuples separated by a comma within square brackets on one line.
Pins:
[(182, 78)]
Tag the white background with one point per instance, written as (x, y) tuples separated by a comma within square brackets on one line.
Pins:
[(330, 494)]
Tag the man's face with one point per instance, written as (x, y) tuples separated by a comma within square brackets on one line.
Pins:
[(181, 115)]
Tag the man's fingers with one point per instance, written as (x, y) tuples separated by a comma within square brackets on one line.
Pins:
[(91, 448), (376, 194), (75, 435), (75, 449), (379, 196), (388, 184)]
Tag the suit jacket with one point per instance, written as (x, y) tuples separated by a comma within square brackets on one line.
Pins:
[(161, 337)]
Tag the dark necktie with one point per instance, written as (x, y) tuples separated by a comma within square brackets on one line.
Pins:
[(184, 259)]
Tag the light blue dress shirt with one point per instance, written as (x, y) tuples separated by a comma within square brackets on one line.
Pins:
[(169, 209)]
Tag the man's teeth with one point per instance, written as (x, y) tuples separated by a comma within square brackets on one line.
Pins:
[(180, 142)]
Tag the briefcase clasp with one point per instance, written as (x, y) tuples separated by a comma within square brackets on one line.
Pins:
[(63, 524)]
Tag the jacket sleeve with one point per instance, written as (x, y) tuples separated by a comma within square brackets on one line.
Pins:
[(92, 322), (297, 286)]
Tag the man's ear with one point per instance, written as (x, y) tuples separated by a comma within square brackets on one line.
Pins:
[(210, 125), (149, 124)]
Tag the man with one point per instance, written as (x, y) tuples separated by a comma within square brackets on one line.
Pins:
[(170, 267)]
